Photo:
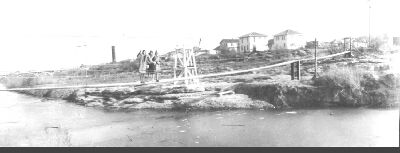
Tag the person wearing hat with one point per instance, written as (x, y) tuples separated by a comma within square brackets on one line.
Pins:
[(157, 62), (152, 66), (142, 57)]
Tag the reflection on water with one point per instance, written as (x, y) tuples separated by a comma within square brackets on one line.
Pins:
[(27, 121)]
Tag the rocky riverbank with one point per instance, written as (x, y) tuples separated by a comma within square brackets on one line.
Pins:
[(270, 93), (343, 82), (153, 97)]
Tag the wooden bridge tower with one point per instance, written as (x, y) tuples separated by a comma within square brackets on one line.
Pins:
[(185, 65), (345, 47)]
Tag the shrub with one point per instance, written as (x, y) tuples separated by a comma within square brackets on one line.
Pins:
[(341, 77), (355, 87), (343, 82), (334, 50)]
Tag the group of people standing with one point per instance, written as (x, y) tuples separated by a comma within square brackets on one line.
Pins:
[(150, 64)]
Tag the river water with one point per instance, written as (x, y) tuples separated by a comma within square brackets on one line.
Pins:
[(29, 121)]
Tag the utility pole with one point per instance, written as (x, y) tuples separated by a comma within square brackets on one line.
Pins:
[(113, 54), (369, 23)]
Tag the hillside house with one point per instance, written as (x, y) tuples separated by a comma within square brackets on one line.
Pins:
[(391, 41), (253, 42), (289, 39), (228, 45)]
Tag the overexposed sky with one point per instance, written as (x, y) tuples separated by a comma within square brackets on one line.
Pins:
[(52, 34)]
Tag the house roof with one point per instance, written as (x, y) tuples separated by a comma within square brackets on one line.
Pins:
[(253, 34), (217, 48), (230, 40), (287, 32)]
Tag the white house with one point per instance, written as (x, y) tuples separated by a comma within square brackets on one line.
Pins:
[(253, 41), (289, 39)]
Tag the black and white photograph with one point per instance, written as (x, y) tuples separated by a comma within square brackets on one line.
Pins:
[(199, 73)]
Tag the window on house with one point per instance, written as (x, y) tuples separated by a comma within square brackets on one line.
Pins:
[(284, 44)]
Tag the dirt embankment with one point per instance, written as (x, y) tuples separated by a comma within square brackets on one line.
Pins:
[(373, 92)]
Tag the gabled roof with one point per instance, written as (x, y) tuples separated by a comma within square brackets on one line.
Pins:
[(253, 34), (287, 32), (230, 40)]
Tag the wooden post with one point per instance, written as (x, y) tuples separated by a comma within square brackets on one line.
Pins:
[(295, 73), (292, 71), (350, 44), (350, 49), (298, 70), (347, 54), (185, 68), (113, 54)]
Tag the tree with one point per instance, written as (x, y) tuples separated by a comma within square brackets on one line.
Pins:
[(270, 43)]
